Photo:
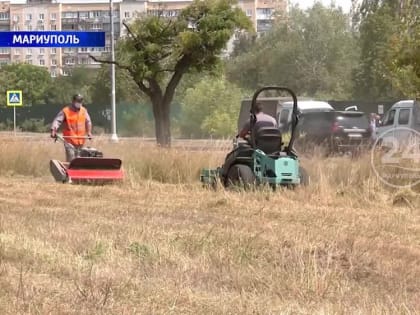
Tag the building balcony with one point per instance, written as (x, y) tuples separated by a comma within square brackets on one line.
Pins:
[(4, 22), (80, 52), (69, 20), (262, 16)]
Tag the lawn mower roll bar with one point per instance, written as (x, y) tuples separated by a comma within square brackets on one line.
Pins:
[(295, 116)]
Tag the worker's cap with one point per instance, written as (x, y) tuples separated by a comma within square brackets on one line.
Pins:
[(78, 98)]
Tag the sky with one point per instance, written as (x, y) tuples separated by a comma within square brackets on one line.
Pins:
[(344, 4)]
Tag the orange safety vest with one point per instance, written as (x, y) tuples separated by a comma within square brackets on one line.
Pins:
[(75, 125)]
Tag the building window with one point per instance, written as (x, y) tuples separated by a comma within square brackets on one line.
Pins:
[(53, 16), (41, 16), (29, 27), (16, 28), (29, 51), (41, 27), (4, 51), (4, 16), (41, 51), (53, 62), (66, 72), (126, 14), (53, 27), (53, 73), (83, 49), (28, 17), (42, 62), (96, 26), (29, 62), (53, 51), (94, 14), (70, 61), (248, 12)]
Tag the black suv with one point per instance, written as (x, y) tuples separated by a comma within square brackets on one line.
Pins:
[(335, 131)]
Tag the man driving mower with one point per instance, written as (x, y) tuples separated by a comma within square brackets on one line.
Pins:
[(77, 126), (263, 120)]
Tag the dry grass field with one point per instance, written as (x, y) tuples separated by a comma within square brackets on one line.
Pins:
[(161, 244)]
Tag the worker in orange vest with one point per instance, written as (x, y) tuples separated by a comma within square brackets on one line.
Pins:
[(76, 128)]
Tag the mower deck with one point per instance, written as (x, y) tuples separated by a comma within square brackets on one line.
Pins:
[(87, 169)]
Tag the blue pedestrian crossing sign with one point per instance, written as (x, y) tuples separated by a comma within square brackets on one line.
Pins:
[(14, 98)]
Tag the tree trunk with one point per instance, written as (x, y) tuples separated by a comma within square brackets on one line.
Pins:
[(161, 113)]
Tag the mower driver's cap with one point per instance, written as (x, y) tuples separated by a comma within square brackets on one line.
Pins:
[(78, 98)]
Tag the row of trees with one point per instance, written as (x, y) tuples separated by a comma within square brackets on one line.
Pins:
[(321, 52), (373, 54)]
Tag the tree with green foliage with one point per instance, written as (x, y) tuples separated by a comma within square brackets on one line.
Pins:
[(33, 81), (377, 24), (159, 51), (125, 88), (405, 50), (390, 46), (210, 108), (312, 52), (79, 82)]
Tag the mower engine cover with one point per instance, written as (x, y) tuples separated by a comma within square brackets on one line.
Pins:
[(90, 152)]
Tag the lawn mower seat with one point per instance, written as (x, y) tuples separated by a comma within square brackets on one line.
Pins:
[(268, 139)]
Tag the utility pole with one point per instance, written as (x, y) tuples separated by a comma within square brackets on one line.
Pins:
[(114, 136)]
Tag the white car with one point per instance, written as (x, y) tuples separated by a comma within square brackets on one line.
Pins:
[(284, 117)]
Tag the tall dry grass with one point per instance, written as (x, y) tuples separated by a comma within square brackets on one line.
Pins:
[(161, 244)]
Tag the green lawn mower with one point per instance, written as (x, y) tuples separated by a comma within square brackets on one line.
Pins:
[(262, 159)]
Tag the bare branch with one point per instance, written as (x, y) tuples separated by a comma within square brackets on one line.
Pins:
[(140, 84), (110, 62), (138, 43)]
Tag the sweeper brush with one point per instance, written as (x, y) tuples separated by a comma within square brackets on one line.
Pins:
[(88, 166)]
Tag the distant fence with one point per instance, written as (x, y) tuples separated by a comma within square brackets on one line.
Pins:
[(101, 114)]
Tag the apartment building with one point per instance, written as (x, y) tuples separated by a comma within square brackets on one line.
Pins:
[(5, 56), (36, 16), (129, 10), (94, 15), (86, 16), (262, 12)]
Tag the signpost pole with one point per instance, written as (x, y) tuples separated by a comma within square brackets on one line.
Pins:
[(14, 98), (14, 120), (114, 136)]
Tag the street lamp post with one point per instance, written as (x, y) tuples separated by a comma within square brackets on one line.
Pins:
[(114, 136)]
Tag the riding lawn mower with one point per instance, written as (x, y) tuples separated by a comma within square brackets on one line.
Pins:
[(263, 158)]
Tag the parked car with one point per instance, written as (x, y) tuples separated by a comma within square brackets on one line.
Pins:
[(396, 121), (284, 117), (334, 131), (281, 109)]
